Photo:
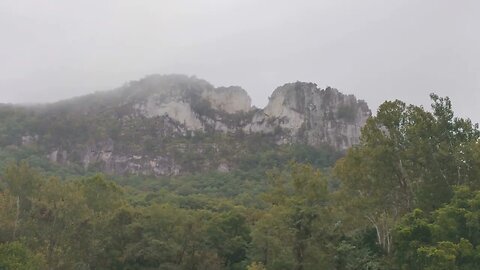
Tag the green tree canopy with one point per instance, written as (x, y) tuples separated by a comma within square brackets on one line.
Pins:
[(408, 157)]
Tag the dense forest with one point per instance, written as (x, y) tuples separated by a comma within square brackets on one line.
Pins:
[(407, 197)]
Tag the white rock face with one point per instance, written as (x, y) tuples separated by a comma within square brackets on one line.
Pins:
[(29, 140), (229, 99), (188, 101), (58, 156), (279, 107), (312, 116), (158, 108), (302, 111), (177, 110), (53, 156)]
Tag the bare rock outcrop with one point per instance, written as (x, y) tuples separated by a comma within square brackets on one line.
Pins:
[(313, 116), (146, 126)]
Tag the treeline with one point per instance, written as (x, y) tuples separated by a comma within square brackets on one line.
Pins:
[(413, 180), (407, 197)]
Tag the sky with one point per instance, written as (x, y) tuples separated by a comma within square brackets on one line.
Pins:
[(376, 49)]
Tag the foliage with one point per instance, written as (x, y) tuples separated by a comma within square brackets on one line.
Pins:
[(293, 232), (407, 197), (14, 255), (447, 239), (408, 158)]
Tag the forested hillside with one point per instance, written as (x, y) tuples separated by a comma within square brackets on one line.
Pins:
[(405, 197), (170, 125)]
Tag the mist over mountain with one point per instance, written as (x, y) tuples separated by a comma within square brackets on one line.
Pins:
[(336, 135), (172, 124)]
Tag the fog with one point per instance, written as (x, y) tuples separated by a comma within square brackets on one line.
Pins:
[(377, 50)]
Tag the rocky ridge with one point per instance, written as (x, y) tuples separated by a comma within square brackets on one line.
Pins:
[(170, 124)]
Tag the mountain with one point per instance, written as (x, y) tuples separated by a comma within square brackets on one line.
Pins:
[(167, 125)]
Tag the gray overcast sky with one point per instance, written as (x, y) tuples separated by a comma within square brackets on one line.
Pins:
[(377, 50)]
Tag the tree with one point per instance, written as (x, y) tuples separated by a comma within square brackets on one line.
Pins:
[(256, 266), (15, 255), (8, 216), (229, 235), (298, 220), (101, 195), (449, 238), (61, 224), (22, 182), (407, 158)]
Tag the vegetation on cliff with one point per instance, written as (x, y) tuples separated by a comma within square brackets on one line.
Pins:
[(406, 197)]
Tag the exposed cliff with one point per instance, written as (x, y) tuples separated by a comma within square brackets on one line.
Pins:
[(167, 125), (313, 116)]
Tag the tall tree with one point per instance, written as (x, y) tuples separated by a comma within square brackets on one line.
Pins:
[(294, 231), (407, 158), (23, 183), (448, 238)]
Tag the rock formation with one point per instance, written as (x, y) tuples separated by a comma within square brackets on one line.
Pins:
[(313, 116), (169, 124)]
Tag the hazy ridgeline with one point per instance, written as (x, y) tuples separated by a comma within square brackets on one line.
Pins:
[(405, 197), (174, 172)]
